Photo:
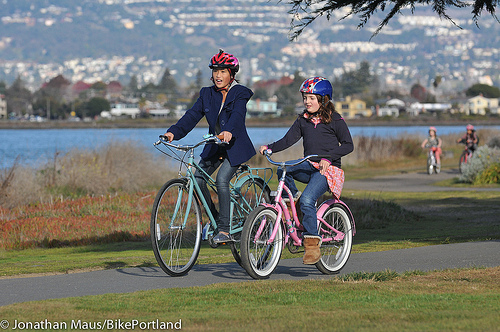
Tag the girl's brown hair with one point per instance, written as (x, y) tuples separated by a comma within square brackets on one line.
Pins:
[(326, 108)]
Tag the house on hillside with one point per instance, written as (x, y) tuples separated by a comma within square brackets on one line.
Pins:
[(122, 110), (3, 107), (114, 90), (78, 88), (480, 105), (352, 108), (391, 111), (263, 108)]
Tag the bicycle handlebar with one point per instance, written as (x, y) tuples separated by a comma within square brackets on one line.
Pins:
[(206, 139), (268, 154)]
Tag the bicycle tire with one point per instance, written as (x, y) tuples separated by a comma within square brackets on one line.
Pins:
[(430, 167), (462, 161), (250, 194), (176, 244), (335, 254), (258, 257)]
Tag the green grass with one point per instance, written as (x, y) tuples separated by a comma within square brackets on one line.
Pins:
[(451, 300), (461, 299), (385, 221)]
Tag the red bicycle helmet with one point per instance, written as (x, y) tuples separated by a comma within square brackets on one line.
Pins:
[(434, 129), (225, 60), (470, 127)]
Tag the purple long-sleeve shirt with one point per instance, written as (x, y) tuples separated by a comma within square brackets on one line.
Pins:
[(325, 139)]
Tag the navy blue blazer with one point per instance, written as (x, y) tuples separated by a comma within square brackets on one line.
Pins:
[(232, 119)]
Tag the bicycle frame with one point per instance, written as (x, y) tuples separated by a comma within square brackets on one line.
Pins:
[(432, 156), (194, 188), (285, 217)]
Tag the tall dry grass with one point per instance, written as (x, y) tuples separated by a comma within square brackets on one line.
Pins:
[(372, 151), (126, 166), (119, 166)]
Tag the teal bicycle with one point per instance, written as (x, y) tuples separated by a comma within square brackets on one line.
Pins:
[(176, 220)]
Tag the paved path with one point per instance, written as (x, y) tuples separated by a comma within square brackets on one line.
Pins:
[(410, 182), (134, 279)]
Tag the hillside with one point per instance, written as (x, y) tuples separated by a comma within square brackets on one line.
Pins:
[(114, 39)]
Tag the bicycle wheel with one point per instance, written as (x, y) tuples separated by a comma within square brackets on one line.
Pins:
[(463, 161), (335, 253), (250, 194), (175, 229), (430, 166), (259, 257)]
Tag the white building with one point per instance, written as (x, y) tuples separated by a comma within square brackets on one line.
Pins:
[(117, 110), (388, 111), (417, 108), (258, 108)]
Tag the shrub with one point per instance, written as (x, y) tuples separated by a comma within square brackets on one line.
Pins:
[(494, 143), (482, 159), (489, 175)]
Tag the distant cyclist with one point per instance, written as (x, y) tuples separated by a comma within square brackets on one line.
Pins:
[(470, 139), (434, 142)]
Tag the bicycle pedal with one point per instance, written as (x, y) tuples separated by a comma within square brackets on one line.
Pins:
[(205, 232)]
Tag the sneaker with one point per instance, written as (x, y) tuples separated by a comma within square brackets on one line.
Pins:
[(295, 197), (222, 238)]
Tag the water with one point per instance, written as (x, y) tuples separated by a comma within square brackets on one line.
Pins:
[(36, 147)]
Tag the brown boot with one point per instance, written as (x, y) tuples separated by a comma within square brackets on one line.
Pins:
[(313, 253)]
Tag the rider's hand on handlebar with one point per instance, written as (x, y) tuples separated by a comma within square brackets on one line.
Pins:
[(226, 136), (262, 149), (169, 136)]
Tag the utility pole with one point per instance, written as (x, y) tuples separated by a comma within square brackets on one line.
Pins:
[(48, 109)]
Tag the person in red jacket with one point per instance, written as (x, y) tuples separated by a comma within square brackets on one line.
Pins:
[(325, 133), (224, 106)]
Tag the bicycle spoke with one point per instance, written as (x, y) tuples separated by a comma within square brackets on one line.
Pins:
[(335, 251), (176, 228)]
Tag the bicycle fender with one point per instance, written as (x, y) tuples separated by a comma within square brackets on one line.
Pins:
[(242, 180), (326, 204)]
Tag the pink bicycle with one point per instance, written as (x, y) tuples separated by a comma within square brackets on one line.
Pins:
[(269, 228)]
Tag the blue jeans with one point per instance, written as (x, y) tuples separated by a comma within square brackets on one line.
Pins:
[(317, 185), (224, 176)]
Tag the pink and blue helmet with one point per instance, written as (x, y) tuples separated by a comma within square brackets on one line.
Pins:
[(317, 85)]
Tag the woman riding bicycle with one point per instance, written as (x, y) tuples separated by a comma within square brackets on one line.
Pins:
[(434, 143), (224, 106), (324, 133)]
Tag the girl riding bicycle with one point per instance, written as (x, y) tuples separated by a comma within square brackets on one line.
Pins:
[(324, 133), (434, 142), (224, 106), (470, 138)]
